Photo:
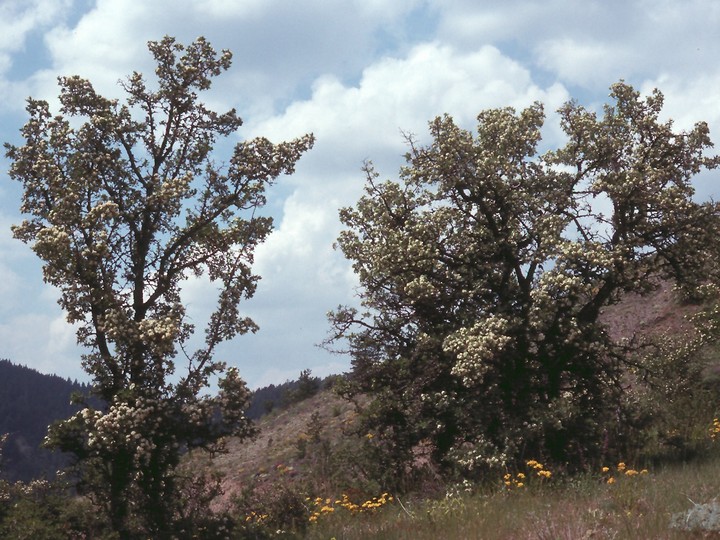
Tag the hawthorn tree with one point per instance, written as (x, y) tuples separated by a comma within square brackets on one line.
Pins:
[(126, 201), (484, 269)]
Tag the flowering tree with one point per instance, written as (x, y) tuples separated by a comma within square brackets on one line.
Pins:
[(485, 268), (124, 203)]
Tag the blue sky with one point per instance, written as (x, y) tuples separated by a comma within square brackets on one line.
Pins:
[(357, 73)]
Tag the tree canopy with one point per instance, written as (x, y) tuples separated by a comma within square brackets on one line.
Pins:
[(484, 269), (126, 200)]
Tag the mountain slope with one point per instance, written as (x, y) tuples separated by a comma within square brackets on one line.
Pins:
[(29, 402)]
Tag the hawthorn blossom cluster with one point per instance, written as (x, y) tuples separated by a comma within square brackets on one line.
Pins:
[(124, 426), (474, 348)]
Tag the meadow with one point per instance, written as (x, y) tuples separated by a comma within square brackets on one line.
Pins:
[(672, 501)]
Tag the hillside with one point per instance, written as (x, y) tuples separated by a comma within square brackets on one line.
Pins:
[(29, 402), (654, 314), (303, 475), (276, 452)]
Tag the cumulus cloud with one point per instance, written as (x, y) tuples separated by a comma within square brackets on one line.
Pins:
[(586, 64), (404, 94), (302, 277), (14, 286), (33, 329), (18, 18), (278, 46), (688, 101), (41, 340), (594, 44)]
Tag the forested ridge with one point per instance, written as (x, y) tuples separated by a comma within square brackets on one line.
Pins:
[(29, 402)]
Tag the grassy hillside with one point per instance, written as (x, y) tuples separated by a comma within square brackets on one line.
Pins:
[(666, 503), (277, 483), (280, 450), (311, 473), (304, 474)]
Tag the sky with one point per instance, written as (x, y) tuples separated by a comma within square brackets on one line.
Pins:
[(359, 74)]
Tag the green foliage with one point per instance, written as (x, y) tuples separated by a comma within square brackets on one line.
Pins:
[(484, 270), (42, 509), (261, 511), (673, 399), (125, 201)]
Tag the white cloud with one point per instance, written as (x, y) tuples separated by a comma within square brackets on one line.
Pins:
[(368, 10), (14, 286), (33, 330), (404, 94), (20, 17), (586, 64), (302, 277), (278, 46), (688, 101), (10, 283), (62, 338), (593, 43), (43, 341), (467, 23)]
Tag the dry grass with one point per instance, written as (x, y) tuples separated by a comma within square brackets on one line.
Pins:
[(257, 460), (584, 508), (640, 507)]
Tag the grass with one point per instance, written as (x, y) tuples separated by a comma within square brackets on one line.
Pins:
[(638, 506), (586, 507)]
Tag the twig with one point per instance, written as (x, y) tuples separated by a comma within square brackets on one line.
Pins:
[(412, 516)]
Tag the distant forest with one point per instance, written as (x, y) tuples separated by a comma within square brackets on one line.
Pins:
[(30, 401)]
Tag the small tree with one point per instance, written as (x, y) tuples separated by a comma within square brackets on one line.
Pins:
[(485, 268), (306, 387), (125, 202)]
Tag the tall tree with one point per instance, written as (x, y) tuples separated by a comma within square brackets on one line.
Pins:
[(484, 270), (125, 201)]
